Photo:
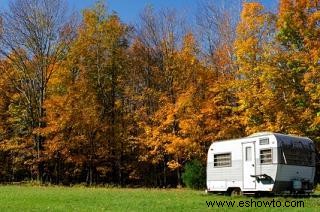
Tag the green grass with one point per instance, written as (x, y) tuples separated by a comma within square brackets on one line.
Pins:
[(28, 198)]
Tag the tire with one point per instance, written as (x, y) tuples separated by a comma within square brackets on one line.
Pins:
[(258, 194), (236, 192)]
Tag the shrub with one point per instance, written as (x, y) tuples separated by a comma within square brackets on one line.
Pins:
[(194, 175)]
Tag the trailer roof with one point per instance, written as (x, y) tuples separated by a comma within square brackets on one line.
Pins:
[(260, 134)]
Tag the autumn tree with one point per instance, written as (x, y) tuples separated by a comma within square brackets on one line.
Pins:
[(34, 41), (99, 101), (276, 64), (184, 101), (94, 99), (298, 59), (74, 130), (156, 48), (15, 151), (254, 48), (216, 30), (216, 27)]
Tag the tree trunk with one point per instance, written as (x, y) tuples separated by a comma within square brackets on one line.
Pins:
[(179, 177), (164, 174)]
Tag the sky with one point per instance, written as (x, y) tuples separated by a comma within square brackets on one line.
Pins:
[(129, 10)]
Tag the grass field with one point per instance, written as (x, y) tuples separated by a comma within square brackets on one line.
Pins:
[(28, 198)]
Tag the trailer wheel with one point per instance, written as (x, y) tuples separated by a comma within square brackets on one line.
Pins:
[(236, 192)]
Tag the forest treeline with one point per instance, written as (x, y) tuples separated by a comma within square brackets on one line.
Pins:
[(92, 99)]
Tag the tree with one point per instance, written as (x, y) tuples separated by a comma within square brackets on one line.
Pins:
[(217, 32), (156, 46), (255, 82), (34, 38), (15, 150), (194, 175), (94, 99), (216, 29), (298, 36), (102, 102)]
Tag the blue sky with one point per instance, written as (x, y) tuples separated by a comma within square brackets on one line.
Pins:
[(129, 10)]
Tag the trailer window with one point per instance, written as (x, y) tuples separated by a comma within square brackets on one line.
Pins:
[(248, 153), (222, 160), (265, 156), (297, 153)]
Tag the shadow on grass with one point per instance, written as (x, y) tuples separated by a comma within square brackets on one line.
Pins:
[(266, 195)]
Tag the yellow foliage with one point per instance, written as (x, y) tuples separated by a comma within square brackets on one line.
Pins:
[(173, 165)]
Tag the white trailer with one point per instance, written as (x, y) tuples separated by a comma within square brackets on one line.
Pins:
[(263, 162)]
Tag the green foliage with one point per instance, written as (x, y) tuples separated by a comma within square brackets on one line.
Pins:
[(290, 37), (194, 175)]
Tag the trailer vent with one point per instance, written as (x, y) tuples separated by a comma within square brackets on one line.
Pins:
[(264, 141)]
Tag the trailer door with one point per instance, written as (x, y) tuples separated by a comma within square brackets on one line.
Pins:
[(249, 163)]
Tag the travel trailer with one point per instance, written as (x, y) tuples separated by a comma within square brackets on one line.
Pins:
[(262, 162)]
